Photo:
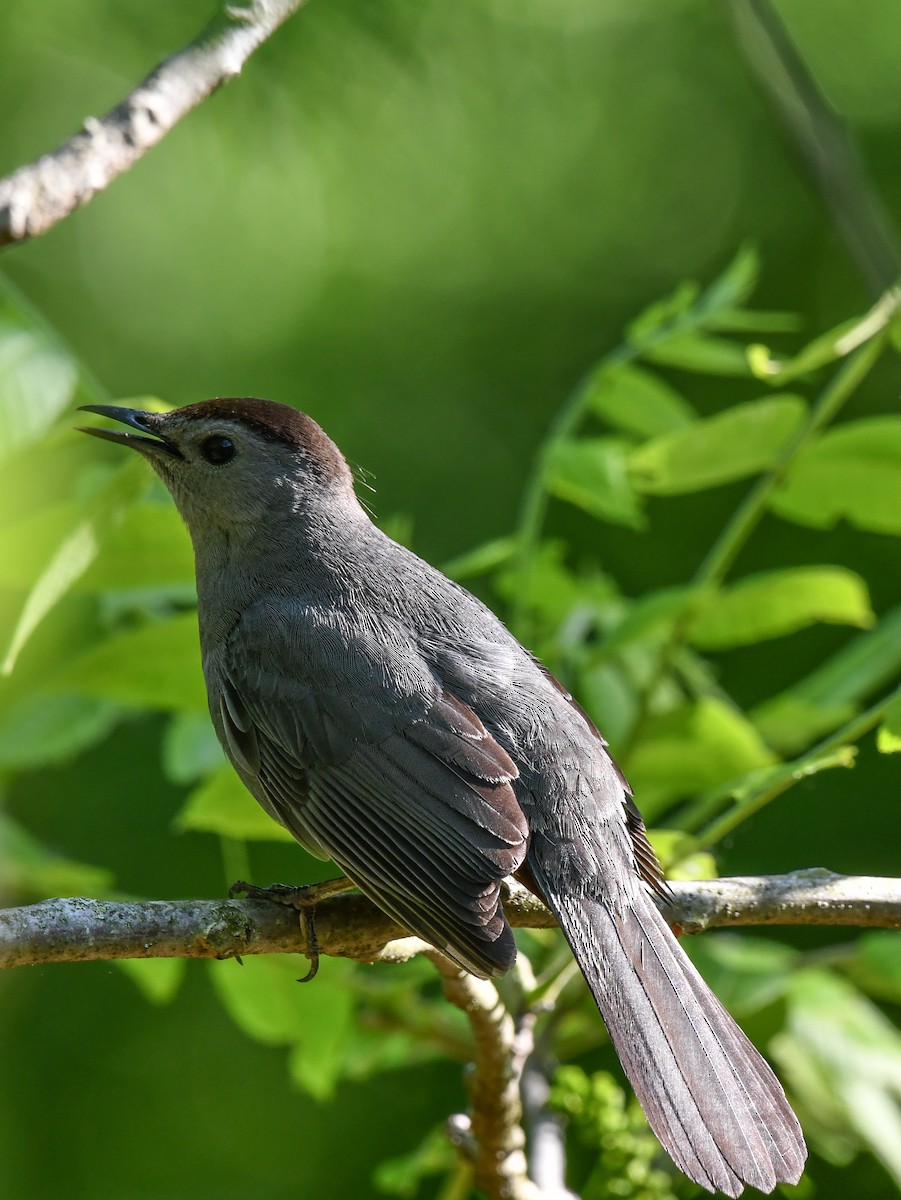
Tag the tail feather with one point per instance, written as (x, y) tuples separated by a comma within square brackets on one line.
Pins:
[(710, 1098)]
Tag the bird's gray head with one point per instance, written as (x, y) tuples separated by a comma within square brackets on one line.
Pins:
[(235, 464)]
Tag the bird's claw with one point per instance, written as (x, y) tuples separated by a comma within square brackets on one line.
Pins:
[(304, 899)]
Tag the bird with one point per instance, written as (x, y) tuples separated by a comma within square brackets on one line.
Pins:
[(390, 722)]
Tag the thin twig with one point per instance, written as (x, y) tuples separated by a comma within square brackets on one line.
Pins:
[(34, 198), (349, 926)]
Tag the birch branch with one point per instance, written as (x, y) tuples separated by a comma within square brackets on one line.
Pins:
[(34, 198), (349, 926)]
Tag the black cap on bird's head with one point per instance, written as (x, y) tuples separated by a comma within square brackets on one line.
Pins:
[(231, 461)]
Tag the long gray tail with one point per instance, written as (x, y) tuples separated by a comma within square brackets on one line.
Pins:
[(710, 1098)]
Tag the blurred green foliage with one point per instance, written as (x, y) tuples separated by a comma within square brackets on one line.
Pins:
[(427, 225)]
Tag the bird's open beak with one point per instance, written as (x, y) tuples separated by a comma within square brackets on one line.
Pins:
[(146, 422)]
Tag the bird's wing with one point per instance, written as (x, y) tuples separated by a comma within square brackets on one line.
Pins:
[(357, 748)]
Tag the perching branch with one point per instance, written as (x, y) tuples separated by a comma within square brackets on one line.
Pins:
[(34, 198), (349, 926)]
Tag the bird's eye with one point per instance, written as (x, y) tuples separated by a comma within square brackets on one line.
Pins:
[(217, 449)]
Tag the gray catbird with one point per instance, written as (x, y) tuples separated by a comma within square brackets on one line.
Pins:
[(387, 718)]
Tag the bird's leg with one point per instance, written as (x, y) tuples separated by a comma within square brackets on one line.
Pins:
[(304, 898)]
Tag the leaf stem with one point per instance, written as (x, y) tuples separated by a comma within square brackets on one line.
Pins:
[(836, 393), (847, 734), (749, 513)]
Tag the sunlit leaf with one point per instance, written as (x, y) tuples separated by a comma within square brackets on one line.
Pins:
[(156, 665), (854, 472), (150, 548), (678, 856), (747, 973), (37, 380), (888, 739), (701, 353), (832, 694), (842, 1057), (692, 749), (75, 553), (158, 979), (688, 308), (734, 285), (27, 544), (637, 401), (775, 603), (591, 473), (737, 442), (223, 805), (745, 791), (662, 313), (650, 617), (552, 589)]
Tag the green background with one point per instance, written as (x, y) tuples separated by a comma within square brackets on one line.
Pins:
[(420, 222)]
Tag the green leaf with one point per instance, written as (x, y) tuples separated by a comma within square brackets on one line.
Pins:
[(190, 748), (27, 544), (43, 729), (740, 441), (30, 869), (888, 739), (154, 666), (700, 353), (552, 590), (747, 973), (749, 320), (637, 401), (74, 554), (264, 999), (757, 787), (775, 603), (652, 617), (403, 1176), (734, 285), (591, 473), (37, 381), (687, 308), (223, 805), (653, 321), (609, 698), (487, 557), (158, 979), (878, 964), (692, 749), (149, 549), (832, 694), (676, 852), (852, 471), (842, 1057)]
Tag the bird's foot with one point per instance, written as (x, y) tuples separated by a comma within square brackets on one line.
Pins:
[(302, 898)]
